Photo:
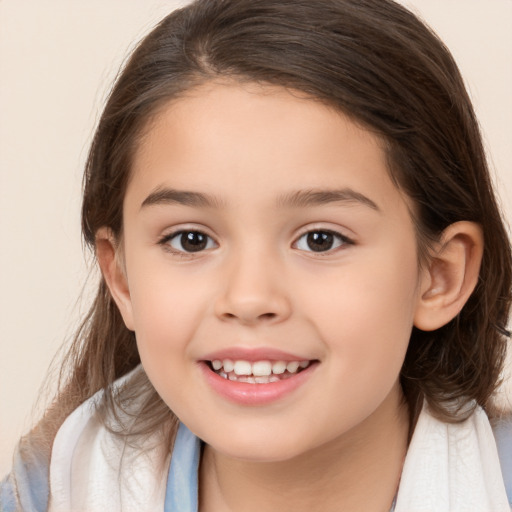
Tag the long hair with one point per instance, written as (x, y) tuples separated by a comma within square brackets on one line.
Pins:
[(375, 62)]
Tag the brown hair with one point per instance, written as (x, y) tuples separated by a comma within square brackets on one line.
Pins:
[(374, 61)]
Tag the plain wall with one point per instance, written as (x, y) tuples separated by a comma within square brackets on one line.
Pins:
[(57, 61)]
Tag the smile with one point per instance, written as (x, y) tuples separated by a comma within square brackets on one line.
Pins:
[(248, 378), (257, 372)]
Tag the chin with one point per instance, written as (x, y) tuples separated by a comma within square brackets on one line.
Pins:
[(261, 446)]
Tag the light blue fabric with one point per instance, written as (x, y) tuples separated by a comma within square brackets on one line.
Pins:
[(26, 487), (182, 482)]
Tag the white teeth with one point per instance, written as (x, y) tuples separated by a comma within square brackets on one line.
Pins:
[(228, 365), (278, 367), (245, 378), (262, 368), (242, 368), (292, 367), (265, 370)]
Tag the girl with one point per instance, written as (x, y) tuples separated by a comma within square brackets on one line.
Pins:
[(306, 278)]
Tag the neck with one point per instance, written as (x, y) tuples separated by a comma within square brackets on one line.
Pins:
[(358, 471)]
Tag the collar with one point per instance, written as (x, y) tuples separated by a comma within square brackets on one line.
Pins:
[(182, 482)]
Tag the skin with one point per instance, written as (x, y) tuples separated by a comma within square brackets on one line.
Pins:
[(339, 440)]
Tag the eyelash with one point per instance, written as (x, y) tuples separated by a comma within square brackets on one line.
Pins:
[(325, 235), (337, 239), (166, 241)]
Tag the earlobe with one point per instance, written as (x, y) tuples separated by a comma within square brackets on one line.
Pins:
[(111, 265), (451, 275)]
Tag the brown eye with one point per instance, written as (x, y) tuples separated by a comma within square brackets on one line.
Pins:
[(190, 241), (321, 241)]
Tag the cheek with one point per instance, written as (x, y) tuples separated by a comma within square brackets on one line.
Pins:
[(166, 310), (364, 314), (166, 319)]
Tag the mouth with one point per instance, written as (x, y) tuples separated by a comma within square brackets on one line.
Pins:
[(257, 372), (257, 376)]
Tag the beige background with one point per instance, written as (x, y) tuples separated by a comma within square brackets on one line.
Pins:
[(57, 59)]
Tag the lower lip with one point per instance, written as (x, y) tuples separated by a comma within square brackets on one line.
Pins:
[(244, 393)]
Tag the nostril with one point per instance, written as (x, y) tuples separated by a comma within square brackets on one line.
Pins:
[(252, 309), (263, 317), (268, 316)]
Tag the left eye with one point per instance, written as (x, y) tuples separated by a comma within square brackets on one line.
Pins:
[(320, 241), (190, 241)]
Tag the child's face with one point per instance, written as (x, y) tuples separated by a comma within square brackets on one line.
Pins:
[(261, 226)]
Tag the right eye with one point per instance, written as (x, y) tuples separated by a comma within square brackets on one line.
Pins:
[(321, 241), (188, 241)]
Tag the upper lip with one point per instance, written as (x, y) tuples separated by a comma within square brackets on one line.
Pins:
[(253, 354)]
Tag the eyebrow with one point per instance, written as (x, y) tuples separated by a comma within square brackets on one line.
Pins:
[(304, 198), (183, 197), (298, 199)]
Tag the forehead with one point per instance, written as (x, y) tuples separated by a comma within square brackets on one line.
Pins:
[(234, 139)]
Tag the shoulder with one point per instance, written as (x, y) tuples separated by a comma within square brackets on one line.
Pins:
[(502, 429), (26, 486), (104, 467)]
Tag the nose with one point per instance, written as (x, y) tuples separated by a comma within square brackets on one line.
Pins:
[(253, 292)]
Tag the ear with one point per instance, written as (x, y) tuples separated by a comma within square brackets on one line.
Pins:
[(451, 275), (112, 267)]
